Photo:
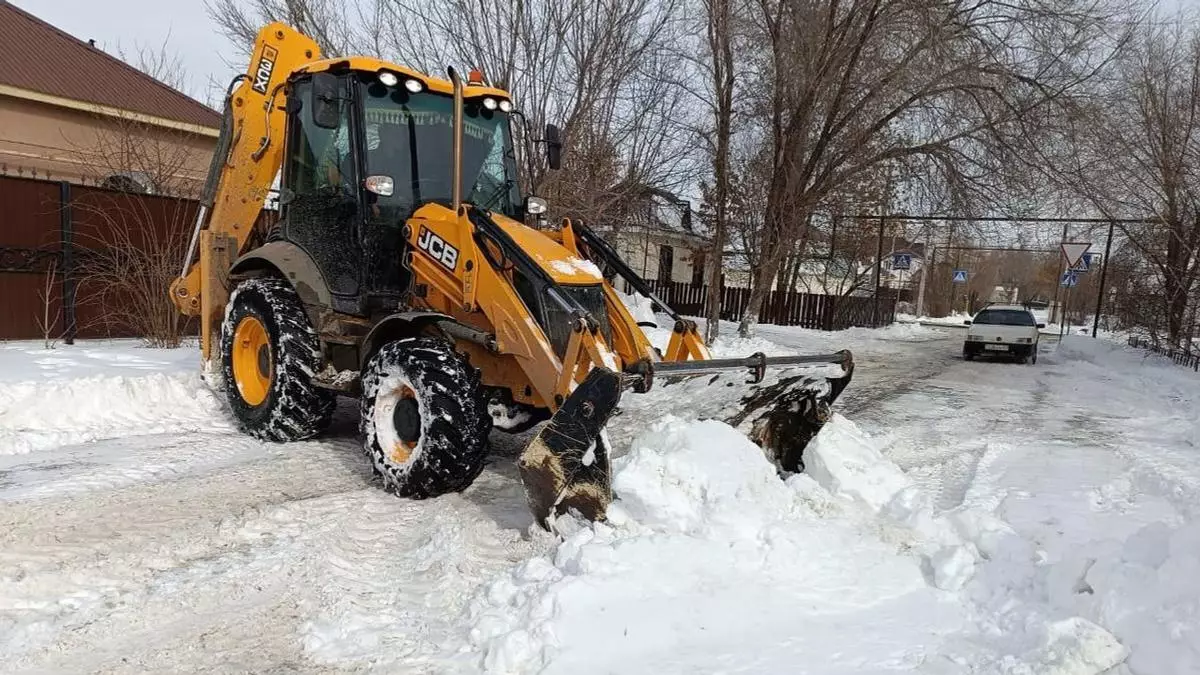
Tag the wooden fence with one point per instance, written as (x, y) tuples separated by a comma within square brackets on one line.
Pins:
[(785, 308)]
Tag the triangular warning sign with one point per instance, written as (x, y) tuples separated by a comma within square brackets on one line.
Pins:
[(1073, 251)]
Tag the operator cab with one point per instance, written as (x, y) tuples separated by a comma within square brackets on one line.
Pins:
[(366, 147)]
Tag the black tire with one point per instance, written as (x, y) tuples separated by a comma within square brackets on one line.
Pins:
[(967, 355), (437, 442), (294, 409), (1033, 356)]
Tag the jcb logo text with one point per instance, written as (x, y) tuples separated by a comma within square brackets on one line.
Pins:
[(266, 66), (437, 247)]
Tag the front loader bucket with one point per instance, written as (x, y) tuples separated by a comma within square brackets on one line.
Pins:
[(781, 408), (566, 465)]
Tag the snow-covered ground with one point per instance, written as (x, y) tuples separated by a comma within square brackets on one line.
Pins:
[(955, 518)]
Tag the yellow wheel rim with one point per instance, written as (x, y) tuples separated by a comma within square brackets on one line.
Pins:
[(253, 365)]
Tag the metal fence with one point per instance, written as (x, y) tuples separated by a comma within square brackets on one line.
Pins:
[(784, 308), (1182, 357)]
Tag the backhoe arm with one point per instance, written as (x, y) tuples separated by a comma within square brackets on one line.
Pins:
[(245, 162)]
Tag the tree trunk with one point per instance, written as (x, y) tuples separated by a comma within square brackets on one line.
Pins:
[(765, 276), (720, 46)]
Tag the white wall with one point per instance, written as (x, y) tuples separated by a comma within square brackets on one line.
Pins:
[(641, 252)]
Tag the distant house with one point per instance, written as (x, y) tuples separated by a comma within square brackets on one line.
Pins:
[(71, 112), (662, 241)]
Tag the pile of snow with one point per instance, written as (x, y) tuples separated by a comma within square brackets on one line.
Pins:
[(710, 562), (1147, 590), (83, 393)]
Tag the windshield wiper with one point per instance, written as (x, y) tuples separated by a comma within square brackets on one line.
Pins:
[(486, 205)]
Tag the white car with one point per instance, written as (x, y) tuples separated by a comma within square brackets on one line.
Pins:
[(1003, 330)]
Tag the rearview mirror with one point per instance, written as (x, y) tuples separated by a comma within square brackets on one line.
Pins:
[(553, 146), (1041, 325), (325, 100), (535, 205), (967, 322)]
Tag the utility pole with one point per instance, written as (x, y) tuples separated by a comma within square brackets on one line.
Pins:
[(1103, 278), (949, 243), (878, 267), (1055, 310), (926, 263)]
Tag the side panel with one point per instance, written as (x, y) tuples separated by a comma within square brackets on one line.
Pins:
[(445, 257)]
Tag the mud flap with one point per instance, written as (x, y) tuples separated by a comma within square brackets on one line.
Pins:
[(566, 465)]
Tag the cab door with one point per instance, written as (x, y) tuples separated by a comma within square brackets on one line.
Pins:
[(321, 195)]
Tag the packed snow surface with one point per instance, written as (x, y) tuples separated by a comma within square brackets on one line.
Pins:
[(955, 518)]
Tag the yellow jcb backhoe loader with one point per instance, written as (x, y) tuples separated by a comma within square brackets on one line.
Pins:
[(401, 271)]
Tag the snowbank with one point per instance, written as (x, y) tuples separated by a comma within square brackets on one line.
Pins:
[(92, 391), (1147, 590)]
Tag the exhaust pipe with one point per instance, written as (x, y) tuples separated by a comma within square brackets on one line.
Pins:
[(456, 191)]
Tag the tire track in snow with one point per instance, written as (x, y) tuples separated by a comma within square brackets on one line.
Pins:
[(97, 567), (398, 574)]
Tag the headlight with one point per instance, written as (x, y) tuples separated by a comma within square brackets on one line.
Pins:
[(388, 79), (506, 105), (489, 103), (415, 86)]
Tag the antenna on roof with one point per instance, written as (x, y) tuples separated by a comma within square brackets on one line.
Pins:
[(92, 42)]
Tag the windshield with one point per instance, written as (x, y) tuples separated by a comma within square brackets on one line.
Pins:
[(408, 137), (1005, 317)]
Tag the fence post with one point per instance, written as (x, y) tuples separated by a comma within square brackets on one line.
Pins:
[(67, 239), (878, 269)]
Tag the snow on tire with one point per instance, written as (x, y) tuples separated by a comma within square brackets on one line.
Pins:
[(424, 418), (269, 352)]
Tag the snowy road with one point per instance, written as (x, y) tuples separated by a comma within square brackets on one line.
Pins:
[(140, 533)]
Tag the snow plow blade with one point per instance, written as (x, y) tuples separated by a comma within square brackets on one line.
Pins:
[(566, 465), (781, 408)]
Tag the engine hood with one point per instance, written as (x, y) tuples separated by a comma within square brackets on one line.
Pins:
[(561, 264)]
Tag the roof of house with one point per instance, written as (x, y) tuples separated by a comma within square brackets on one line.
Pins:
[(41, 58)]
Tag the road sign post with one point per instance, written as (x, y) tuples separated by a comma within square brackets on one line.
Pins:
[(1103, 278)]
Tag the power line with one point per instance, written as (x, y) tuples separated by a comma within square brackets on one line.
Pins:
[(1009, 219)]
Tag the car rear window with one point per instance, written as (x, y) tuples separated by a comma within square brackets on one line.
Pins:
[(1005, 317)]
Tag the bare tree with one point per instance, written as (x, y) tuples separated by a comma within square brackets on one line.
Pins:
[(1133, 150), (129, 154), (160, 62), (129, 250), (719, 33), (51, 315), (937, 90)]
